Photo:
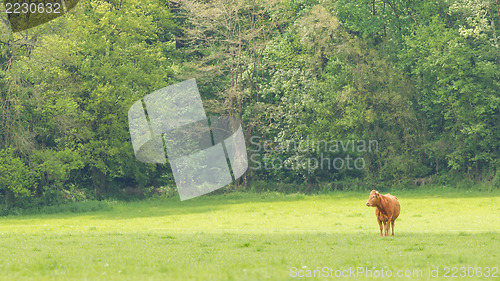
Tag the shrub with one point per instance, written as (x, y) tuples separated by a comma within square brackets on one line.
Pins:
[(16, 180)]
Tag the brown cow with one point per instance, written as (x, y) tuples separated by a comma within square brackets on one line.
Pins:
[(387, 210)]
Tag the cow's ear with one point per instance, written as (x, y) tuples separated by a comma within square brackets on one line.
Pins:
[(378, 194)]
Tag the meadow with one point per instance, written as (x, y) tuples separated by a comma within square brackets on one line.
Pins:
[(252, 236)]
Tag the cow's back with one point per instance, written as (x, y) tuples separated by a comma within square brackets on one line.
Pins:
[(395, 204)]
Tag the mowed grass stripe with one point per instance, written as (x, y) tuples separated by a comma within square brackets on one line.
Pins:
[(230, 256), (335, 213)]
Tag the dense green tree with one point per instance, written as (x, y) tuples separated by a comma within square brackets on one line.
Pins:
[(67, 86), (106, 56), (16, 179), (459, 96)]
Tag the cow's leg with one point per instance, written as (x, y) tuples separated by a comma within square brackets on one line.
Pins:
[(380, 225), (393, 227), (389, 219), (386, 228)]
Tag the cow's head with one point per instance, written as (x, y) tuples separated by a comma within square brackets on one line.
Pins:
[(374, 199)]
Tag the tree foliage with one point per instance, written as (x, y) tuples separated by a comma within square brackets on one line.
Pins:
[(419, 77)]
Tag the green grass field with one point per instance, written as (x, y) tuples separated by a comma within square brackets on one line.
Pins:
[(257, 237)]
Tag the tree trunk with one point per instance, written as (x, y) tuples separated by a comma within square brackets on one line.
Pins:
[(9, 199), (99, 182)]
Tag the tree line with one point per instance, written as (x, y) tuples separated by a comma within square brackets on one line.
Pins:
[(419, 77)]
